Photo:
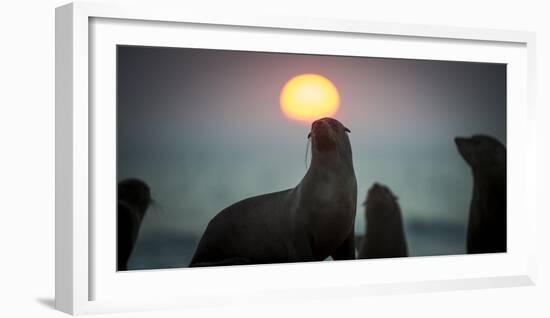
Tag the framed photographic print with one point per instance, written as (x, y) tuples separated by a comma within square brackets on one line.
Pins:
[(206, 159)]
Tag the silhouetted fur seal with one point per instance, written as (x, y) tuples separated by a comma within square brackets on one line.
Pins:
[(487, 221), (310, 222), (134, 197), (385, 236)]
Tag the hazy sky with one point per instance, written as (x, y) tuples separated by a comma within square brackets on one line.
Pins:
[(204, 129)]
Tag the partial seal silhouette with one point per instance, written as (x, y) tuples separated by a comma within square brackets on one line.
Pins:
[(134, 197), (385, 236), (487, 220), (310, 222)]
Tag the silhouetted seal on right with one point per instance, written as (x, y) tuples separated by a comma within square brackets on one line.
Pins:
[(487, 220), (134, 197), (310, 222), (385, 236)]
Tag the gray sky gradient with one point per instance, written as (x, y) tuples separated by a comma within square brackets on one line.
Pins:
[(204, 129)]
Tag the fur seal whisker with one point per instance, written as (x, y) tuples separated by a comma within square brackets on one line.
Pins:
[(307, 150)]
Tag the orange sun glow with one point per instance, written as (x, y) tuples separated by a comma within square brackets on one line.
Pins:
[(308, 97)]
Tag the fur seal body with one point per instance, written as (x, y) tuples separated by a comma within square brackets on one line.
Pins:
[(487, 220), (310, 222), (385, 236), (134, 197)]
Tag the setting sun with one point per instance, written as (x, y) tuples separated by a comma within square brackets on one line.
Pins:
[(308, 97)]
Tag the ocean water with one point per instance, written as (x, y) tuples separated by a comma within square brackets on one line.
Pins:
[(191, 188)]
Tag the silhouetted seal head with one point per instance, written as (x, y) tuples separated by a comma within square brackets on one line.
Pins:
[(487, 219), (134, 197), (385, 236), (310, 222)]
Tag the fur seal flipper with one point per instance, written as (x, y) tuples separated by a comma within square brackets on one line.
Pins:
[(310, 222), (134, 197), (385, 236), (487, 220)]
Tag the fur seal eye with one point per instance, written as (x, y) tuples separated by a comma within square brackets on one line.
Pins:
[(308, 135), (347, 129)]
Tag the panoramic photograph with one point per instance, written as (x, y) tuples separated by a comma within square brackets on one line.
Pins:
[(242, 158)]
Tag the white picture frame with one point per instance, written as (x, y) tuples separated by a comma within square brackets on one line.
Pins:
[(86, 33)]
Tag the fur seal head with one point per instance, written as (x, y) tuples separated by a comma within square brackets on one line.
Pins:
[(380, 198), (135, 193), (329, 138), (483, 153)]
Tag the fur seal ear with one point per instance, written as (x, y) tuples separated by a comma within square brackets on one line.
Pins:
[(347, 129), (309, 135)]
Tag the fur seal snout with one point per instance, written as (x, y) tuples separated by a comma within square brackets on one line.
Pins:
[(309, 222), (385, 236), (134, 197), (322, 133), (487, 219)]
